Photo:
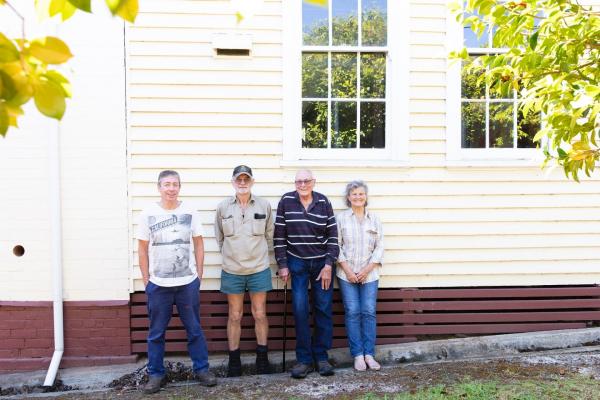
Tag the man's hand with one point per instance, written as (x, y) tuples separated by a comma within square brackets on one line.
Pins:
[(284, 274), (325, 276), (146, 280)]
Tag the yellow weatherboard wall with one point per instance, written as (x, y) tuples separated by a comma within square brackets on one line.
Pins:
[(446, 223)]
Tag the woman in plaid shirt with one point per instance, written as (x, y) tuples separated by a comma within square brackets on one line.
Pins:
[(361, 254)]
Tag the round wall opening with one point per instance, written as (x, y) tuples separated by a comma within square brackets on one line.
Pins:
[(18, 250)]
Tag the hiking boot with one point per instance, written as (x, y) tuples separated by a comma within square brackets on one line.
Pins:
[(325, 369), (205, 378), (153, 385), (262, 360), (299, 371), (234, 366)]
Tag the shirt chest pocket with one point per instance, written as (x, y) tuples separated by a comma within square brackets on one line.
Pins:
[(259, 224), (228, 227), (371, 235)]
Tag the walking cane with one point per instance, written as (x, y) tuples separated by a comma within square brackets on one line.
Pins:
[(284, 322)]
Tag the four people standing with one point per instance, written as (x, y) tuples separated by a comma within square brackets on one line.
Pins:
[(305, 238)]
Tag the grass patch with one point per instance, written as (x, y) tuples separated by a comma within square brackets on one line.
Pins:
[(574, 388)]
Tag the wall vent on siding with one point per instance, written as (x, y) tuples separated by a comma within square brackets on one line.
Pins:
[(232, 44)]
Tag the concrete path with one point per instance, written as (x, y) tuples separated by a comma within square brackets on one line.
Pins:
[(96, 378)]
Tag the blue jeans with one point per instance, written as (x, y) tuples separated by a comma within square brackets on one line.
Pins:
[(160, 310), (360, 303), (311, 348)]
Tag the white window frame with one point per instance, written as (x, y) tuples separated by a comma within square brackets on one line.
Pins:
[(454, 150), (397, 86)]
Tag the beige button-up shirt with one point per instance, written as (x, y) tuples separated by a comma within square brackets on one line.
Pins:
[(244, 236), (361, 243)]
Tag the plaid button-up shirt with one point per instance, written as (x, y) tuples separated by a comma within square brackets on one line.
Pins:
[(361, 242)]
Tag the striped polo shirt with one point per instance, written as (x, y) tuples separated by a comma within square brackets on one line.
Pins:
[(305, 233)]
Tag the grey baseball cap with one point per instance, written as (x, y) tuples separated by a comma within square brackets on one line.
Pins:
[(242, 170)]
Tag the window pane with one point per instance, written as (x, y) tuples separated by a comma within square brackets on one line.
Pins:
[(374, 22), (345, 22), (372, 75), (372, 125), (527, 129), (343, 124), (314, 124), (471, 39), (473, 125), (343, 74), (314, 74), (501, 125), (469, 87), (315, 25)]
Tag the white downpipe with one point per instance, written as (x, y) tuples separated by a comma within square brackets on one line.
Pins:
[(56, 262)]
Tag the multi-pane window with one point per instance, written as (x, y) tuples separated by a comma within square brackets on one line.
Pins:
[(490, 120), (344, 59)]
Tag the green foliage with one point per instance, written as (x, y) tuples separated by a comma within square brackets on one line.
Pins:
[(26, 66), (552, 59), (344, 84), (556, 389)]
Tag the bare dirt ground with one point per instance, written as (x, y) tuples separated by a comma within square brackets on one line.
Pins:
[(347, 384)]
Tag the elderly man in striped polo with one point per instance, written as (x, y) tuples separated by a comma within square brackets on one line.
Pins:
[(306, 248)]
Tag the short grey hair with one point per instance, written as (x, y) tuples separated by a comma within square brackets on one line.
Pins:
[(168, 172), (355, 185)]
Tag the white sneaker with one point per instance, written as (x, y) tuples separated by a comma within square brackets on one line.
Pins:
[(359, 363), (374, 365)]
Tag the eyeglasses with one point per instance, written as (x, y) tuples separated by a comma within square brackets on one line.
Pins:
[(242, 180), (301, 182)]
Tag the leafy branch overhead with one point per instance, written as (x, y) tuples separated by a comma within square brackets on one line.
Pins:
[(28, 66), (549, 53)]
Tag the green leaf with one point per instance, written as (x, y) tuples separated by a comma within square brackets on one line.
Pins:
[(56, 7), (59, 79), (49, 98), (8, 50), (50, 50), (7, 86), (3, 119), (68, 11), (83, 5), (561, 153), (592, 90), (533, 39), (126, 9)]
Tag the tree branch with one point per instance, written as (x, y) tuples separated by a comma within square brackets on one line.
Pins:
[(18, 15)]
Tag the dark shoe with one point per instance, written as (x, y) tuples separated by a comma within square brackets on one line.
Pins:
[(325, 369), (234, 366), (153, 385), (262, 360), (299, 371), (206, 378)]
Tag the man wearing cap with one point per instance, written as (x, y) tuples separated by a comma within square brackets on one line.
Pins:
[(244, 230), (171, 258)]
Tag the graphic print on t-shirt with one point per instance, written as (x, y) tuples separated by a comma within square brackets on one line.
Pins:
[(171, 235)]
